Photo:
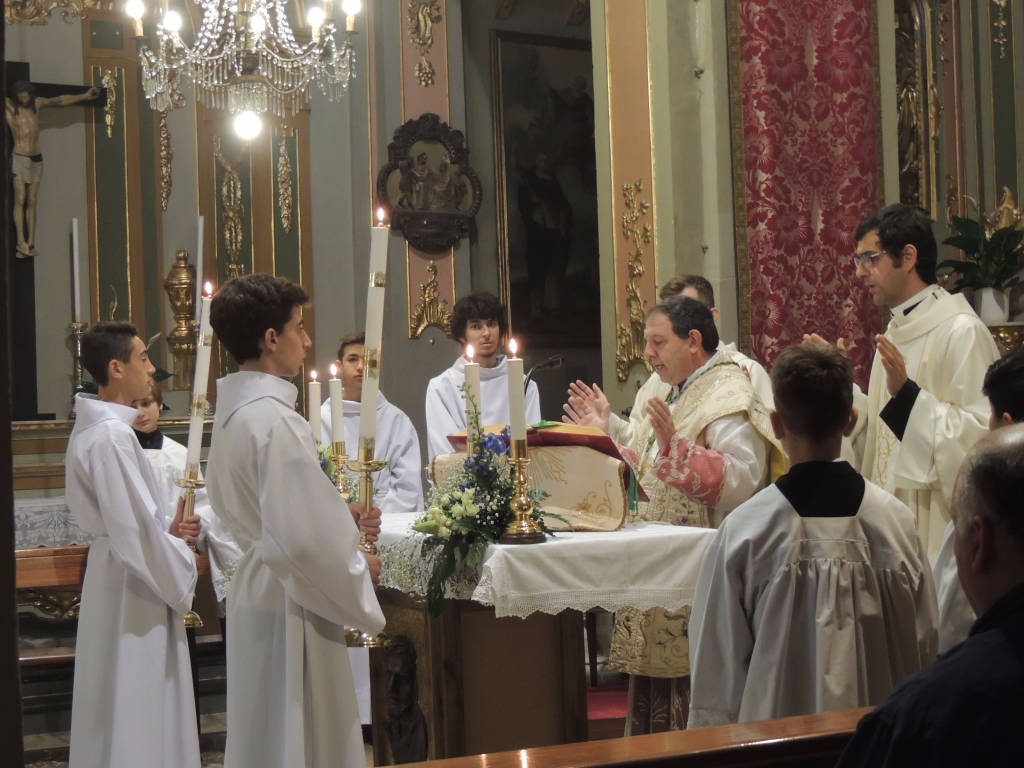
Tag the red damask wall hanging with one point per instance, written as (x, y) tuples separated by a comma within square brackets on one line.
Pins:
[(806, 114)]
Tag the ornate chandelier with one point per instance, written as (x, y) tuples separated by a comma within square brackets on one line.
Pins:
[(245, 57)]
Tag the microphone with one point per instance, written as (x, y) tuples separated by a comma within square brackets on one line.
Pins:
[(555, 361)]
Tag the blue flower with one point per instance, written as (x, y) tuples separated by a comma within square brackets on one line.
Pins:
[(496, 443)]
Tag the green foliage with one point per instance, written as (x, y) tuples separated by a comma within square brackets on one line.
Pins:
[(989, 262)]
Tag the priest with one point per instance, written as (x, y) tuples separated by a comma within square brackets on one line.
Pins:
[(815, 595), (699, 453), (924, 406), (133, 702), (303, 577), (397, 487), (481, 321)]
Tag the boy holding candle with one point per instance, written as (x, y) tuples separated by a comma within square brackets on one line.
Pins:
[(478, 320), (133, 699), (302, 577)]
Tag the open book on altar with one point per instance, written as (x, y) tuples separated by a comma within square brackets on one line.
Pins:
[(553, 433)]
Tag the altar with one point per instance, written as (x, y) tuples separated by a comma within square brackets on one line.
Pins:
[(503, 667)]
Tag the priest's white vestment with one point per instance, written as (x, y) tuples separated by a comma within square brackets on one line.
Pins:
[(948, 350), (133, 702), (796, 615), (300, 581), (446, 405), (397, 487), (622, 430), (955, 614), (168, 462)]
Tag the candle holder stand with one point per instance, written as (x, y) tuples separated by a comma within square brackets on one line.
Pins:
[(190, 482), (77, 372), (340, 460), (523, 529), (366, 466)]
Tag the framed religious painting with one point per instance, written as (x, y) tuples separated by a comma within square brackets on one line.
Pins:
[(545, 171)]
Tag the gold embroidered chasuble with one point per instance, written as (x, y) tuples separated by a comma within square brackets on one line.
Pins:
[(654, 643)]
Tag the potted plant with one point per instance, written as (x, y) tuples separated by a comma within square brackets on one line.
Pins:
[(990, 265)]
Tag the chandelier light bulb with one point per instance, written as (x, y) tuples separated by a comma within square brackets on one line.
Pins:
[(257, 23), (351, 7), (248, 125), (135, 8), (172, 21), (315, 17)]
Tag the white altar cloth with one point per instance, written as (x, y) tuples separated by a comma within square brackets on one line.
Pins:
[(643, 565)]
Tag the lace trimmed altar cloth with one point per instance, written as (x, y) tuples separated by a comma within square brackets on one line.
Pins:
[(643, 565)]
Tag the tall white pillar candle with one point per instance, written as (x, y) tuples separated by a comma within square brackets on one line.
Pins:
[(472, 383), (76, 278), (516, 397), (199, 263), (337, 406), (313, 407), (374, 327), (202, 373)]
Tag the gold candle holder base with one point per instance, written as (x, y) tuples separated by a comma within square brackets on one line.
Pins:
[(366, 466), (355, 638), (523, 529), (190, 482), (340, 460)]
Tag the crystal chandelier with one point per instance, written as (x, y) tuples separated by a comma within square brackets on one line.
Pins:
[(245, 57)]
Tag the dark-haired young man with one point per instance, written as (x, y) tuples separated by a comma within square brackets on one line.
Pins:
[(816, 594), (478, 319), (924, 407), (302, 577), (133, 701)]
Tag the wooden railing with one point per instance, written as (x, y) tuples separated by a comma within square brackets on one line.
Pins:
[(807, 740)]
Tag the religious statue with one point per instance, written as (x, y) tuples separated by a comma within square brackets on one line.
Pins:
[(26, 160)]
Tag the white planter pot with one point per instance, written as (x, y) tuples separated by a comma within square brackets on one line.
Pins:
[(992, 306)]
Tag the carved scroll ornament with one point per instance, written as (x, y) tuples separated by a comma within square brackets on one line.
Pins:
[(629, 336)]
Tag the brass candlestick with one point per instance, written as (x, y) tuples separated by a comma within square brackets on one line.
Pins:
[(77, 372), (180, 285), (523, 529), (366, 466), (339, 463), (190, 482)]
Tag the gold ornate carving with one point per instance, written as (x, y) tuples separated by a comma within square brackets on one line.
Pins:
[(1006, 214), (999, 25), (579, 13), (942, 20), (180, 285), (109, 81), (231, 210), (38, 11), (431, 310), (166, 156), (629, 341), (51, 604), (284, 185), (1009, 337), (423, 15), (112, 307)]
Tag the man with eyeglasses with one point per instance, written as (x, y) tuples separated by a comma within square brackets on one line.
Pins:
[(924, 407)]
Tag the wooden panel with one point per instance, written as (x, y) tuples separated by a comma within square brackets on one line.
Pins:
[(803, 740), (51, 567), (37, 445)]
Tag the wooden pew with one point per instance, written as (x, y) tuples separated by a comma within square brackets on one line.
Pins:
[(807, 740)]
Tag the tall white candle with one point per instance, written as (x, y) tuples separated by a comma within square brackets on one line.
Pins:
[(313, 407), (374, 327), (516, 397), (472, 383), (337, 406), (203, 345), (199, 263), (76, 278)]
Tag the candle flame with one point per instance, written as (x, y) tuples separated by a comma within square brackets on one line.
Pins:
[(469, 352), (513, 347), (334, 371), (208, 288), (312, 375), (380, 217)]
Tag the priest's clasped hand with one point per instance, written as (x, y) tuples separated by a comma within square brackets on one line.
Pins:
[(661, 421), (367, 520), (587, 406), (187, 528)]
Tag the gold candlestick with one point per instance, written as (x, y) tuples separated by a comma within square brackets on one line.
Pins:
[(339, 463), (523, 529), (190, 482), (366, 466), (78, 372)]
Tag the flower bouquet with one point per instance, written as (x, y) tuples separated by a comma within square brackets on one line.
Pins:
[(470, 509)]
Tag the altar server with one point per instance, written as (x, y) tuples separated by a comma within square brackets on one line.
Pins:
[(133, 702), (397, 487), (302, 577), (167, 457), (480, 320), (924, 407), (816, 594)]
